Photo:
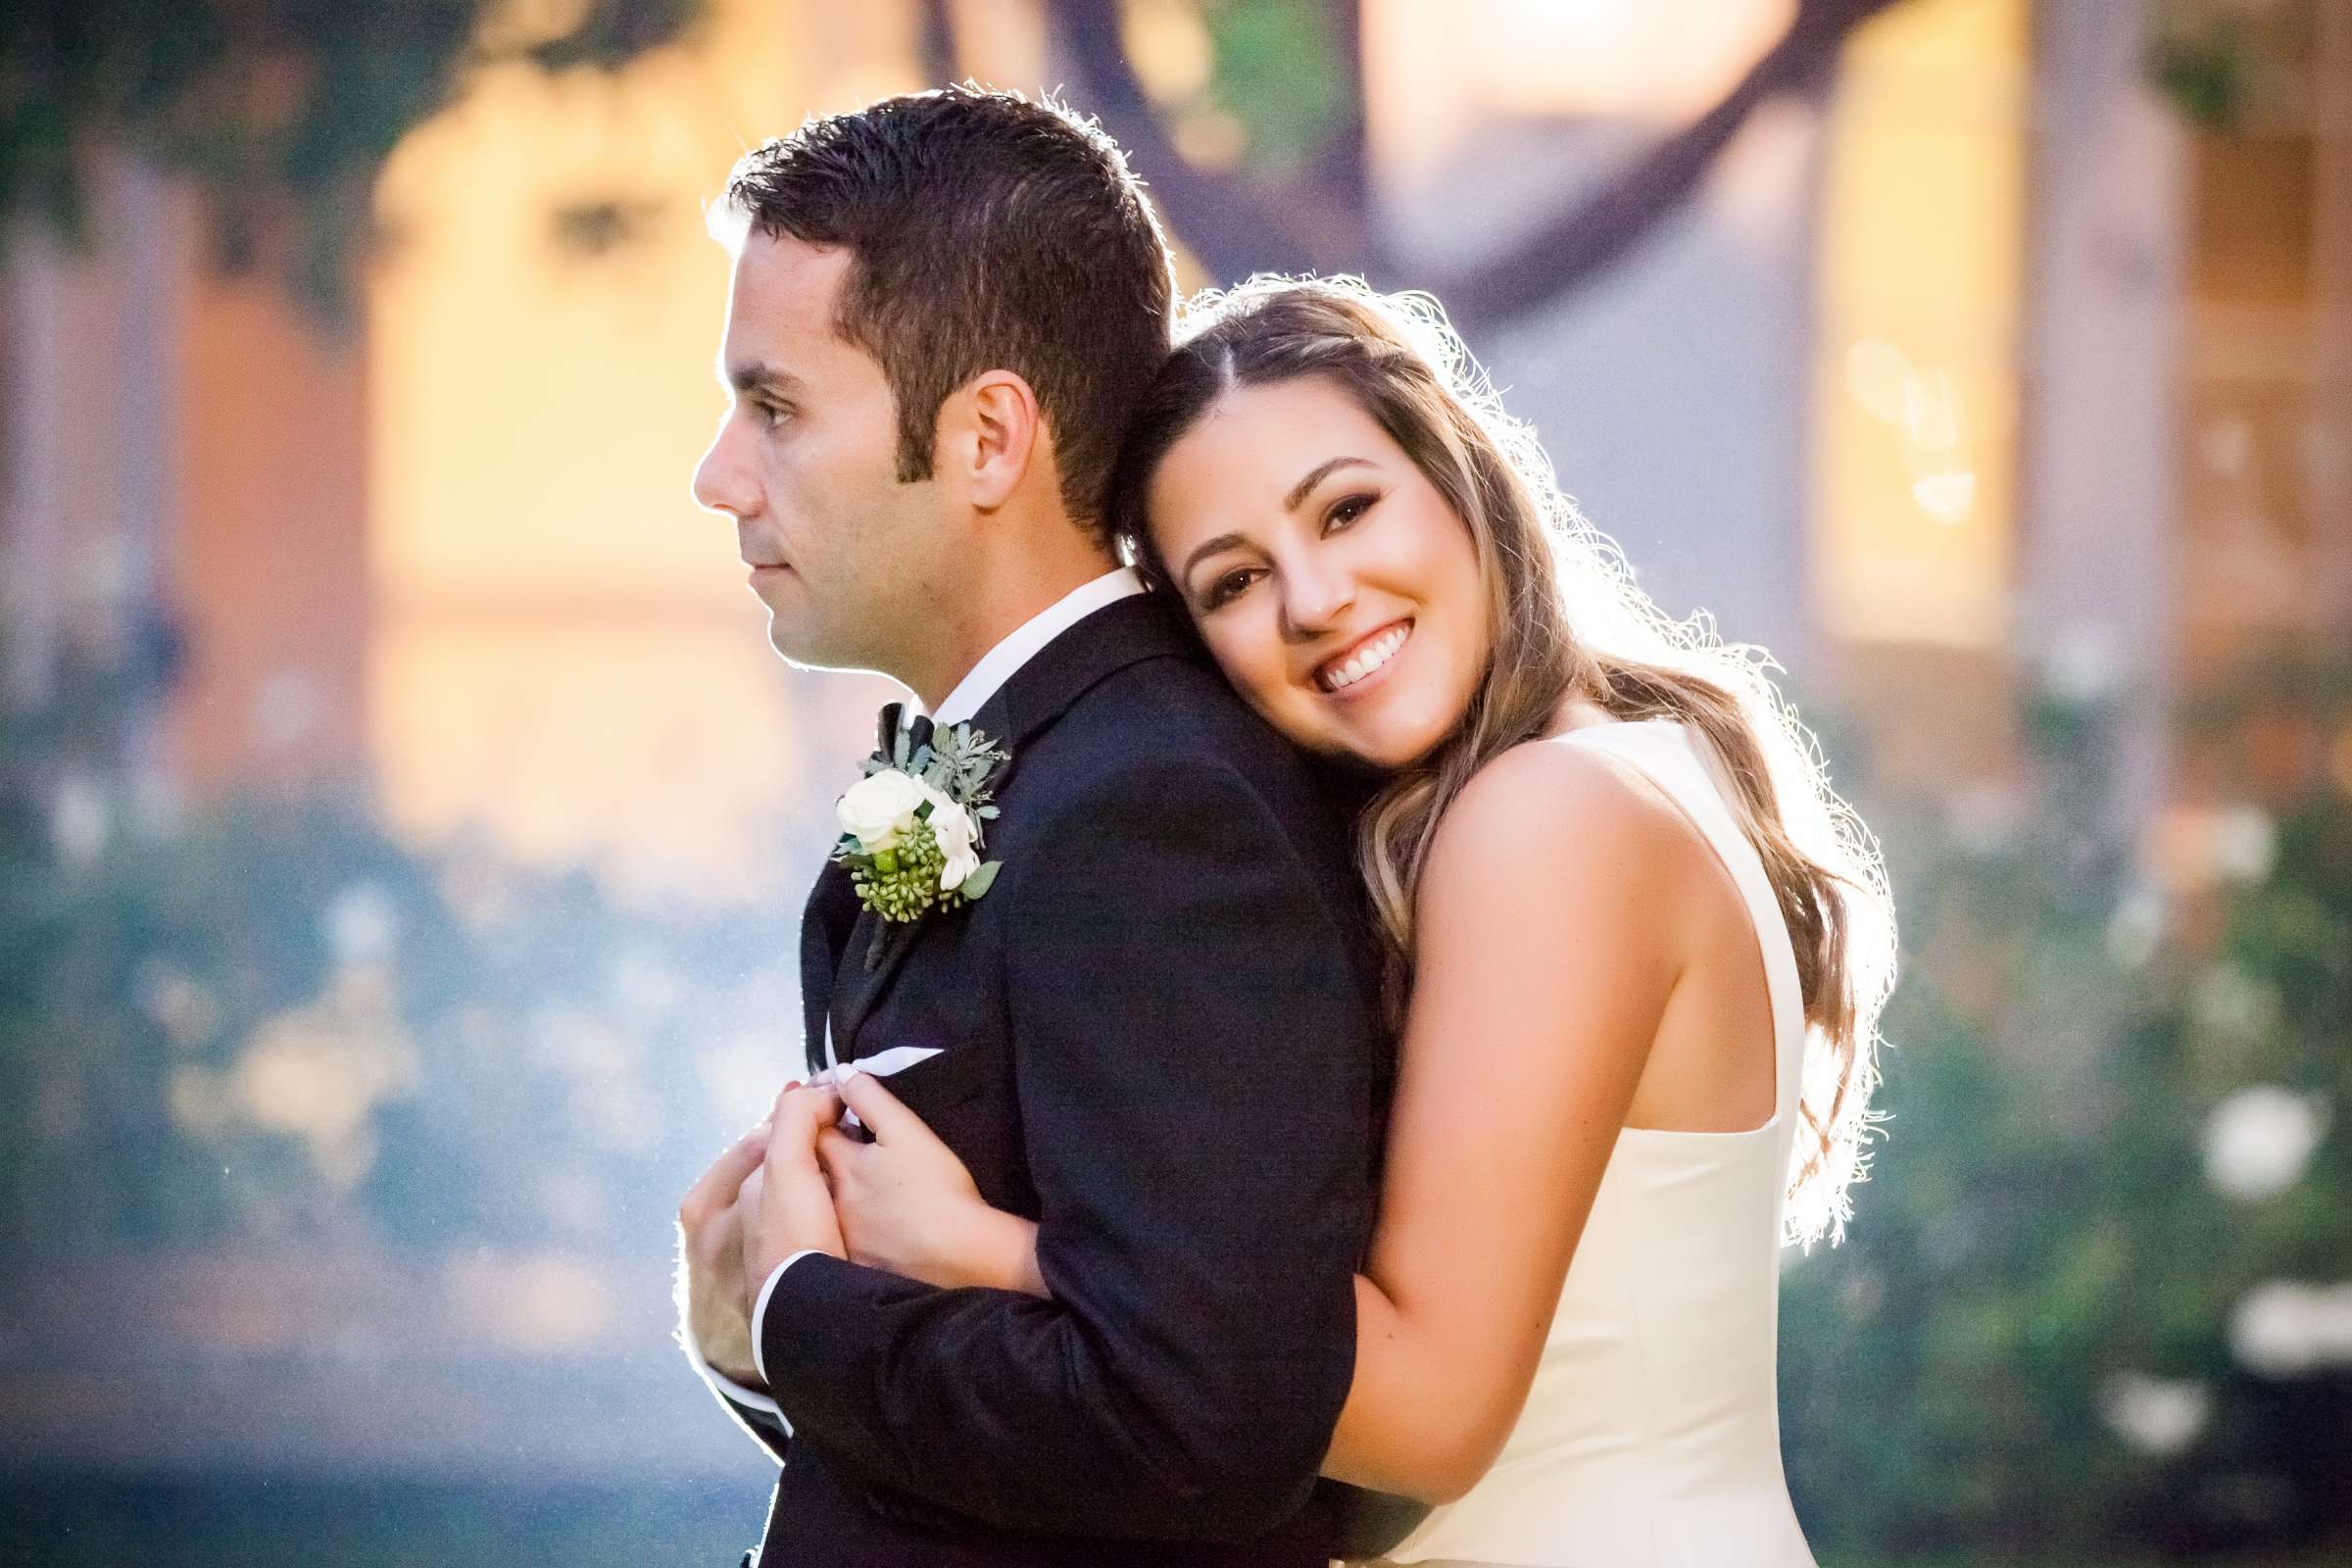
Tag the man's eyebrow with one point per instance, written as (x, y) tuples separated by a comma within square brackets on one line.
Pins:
[(757, 376), (1223, 541), (1305, 487)]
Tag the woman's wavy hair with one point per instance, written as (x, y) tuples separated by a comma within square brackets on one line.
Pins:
[(1565, 619)]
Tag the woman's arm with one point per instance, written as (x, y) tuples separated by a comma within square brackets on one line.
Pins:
[(1546, 953)]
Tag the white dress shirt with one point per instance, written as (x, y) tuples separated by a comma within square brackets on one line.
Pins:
[(983, 681)]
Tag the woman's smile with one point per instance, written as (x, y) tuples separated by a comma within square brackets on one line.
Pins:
[(1354, 670)]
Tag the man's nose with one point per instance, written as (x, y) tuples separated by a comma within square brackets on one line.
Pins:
[(720, 482)]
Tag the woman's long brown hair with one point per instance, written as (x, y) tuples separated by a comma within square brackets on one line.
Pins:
[(1566, 620)]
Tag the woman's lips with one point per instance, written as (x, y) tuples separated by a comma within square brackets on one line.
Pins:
[(1363, 665)]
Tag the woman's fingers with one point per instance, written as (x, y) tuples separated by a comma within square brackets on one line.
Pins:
[(881, 1110), (804, 1108), (724, 1179)]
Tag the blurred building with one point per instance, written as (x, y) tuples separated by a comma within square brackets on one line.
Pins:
[(182, 458), (1988, 367)]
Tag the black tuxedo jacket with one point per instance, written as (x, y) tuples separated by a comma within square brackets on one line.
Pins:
[(1157, 1038)]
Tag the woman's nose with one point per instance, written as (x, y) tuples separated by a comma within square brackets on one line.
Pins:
[(1316, 598)]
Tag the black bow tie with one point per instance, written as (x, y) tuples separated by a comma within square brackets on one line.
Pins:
[(893, 723)]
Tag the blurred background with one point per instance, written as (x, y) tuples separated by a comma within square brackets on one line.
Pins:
[(403, 821)]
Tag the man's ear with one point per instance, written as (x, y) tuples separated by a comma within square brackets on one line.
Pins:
[(999, 428)]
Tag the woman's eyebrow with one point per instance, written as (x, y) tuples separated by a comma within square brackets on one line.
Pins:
[(1305, 487), (1223, 541)]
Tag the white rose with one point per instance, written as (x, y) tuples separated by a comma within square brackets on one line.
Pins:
[(959, 837), (2155, 1416), (2258, 1141), (2288, 1329), (878, 808)]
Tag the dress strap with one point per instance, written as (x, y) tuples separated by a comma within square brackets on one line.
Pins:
[(1679, 761)]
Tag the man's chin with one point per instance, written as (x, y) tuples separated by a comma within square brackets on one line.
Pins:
[(803, 651)]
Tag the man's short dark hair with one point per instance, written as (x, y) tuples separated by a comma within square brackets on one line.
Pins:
[(987, 231)]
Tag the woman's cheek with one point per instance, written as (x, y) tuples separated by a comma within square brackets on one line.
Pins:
[(1241, 651)]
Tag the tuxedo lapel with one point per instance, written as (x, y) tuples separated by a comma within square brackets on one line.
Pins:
[(1117, 635), (855, 986), (827, 926)]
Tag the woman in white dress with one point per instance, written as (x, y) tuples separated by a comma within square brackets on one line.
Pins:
[(1636, 947)]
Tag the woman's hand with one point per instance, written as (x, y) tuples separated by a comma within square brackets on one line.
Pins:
[(789, 1209), (907, 1205)]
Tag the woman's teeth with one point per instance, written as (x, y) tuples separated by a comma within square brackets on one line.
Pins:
[(1362, 662)]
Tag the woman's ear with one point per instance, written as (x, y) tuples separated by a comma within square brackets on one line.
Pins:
[(1002, 430)]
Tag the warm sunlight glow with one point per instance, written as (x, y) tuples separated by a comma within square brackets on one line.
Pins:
[(1434, 73), (564, 649), (1916, 380)]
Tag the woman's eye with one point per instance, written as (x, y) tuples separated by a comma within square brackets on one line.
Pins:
[(1346, 512), (1224, 588)]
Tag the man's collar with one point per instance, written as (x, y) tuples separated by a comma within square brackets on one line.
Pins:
[(1129, 629), (997, 664)]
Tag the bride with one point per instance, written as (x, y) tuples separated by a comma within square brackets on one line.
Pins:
[(1636, 949)]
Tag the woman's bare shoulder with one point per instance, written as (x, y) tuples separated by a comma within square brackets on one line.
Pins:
[(1550, 806)]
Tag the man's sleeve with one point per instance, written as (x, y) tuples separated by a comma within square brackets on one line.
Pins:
[(752, 1409), (1191, 1058)]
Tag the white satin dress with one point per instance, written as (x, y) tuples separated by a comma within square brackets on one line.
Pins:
[(1651, 1435)]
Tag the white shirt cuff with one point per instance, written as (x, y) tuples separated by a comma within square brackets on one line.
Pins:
[(728, 1387), (759, 1307)]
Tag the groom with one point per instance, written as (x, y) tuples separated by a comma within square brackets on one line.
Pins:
[(1154, 1035)]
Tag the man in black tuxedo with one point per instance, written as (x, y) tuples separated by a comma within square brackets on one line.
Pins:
[(1154, 1034)]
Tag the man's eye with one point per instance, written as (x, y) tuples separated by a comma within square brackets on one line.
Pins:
[(772, 414)]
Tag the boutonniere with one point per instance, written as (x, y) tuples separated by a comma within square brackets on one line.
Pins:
[(910, 830)]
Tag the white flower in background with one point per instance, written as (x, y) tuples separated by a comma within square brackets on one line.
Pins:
[(2136, 927), (958, 836), (2194, 846), (2160, 1417), (2082, 666), (2245, 844), (2258, 1141), (2285, 1329), (879, 807), (2227, 1001), (80, 820), (361, 924)]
